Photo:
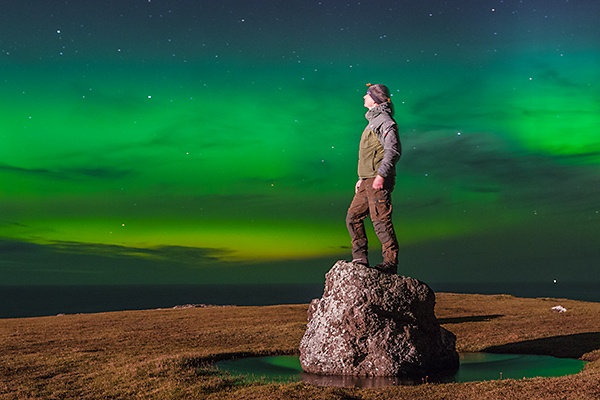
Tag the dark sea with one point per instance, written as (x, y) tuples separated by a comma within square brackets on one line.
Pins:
[(35, 301)]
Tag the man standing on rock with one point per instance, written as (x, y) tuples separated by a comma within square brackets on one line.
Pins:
[(378, 154)]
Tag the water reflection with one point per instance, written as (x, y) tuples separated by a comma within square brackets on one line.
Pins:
[(473, 367), (355, 381)]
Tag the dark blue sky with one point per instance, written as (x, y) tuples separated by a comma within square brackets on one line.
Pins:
[(186, 141)]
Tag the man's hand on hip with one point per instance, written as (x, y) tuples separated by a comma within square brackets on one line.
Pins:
[(378, 182), (358, 182)]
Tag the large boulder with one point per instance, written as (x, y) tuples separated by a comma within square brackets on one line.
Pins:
[(373, 324)]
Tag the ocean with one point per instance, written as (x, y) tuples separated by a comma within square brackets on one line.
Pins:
[(35, 301)]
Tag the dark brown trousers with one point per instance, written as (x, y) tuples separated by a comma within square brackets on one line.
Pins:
[(378, 205)]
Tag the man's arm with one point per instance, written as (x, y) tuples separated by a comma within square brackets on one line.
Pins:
[(391, 150), (391, 154)]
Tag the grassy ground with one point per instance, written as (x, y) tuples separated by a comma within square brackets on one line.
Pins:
[(167, 354)]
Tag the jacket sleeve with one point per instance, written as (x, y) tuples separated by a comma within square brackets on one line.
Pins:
[(392, 149)]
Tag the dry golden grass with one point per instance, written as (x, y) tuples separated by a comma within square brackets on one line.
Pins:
[(167, 354)]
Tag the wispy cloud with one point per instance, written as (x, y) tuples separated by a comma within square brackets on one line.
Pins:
[(174, 254), (68, 174)]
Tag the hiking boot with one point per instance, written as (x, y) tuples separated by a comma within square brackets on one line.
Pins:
[(360, 262), (387, 268)]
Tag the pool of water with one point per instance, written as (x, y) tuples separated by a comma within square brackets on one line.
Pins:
[(473, 367)]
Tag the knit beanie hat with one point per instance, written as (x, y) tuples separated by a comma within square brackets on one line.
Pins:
[(379, 93)]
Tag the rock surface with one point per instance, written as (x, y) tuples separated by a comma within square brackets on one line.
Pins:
[(372, 324)]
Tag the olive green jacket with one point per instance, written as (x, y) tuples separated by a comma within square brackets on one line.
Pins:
[(380, 147)]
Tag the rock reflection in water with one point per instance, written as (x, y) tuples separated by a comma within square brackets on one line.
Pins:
[(363, 381)]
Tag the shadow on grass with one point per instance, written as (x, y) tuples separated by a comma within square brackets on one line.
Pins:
[(474, 318), (567, 346)]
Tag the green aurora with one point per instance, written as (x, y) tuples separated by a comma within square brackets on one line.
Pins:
[(139, 149)]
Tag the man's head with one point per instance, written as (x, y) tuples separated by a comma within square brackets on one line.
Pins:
[(379, 94)]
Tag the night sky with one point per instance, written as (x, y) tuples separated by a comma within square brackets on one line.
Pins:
[(216, 141)]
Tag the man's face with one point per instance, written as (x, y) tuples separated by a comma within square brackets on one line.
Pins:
[(369, 102)]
